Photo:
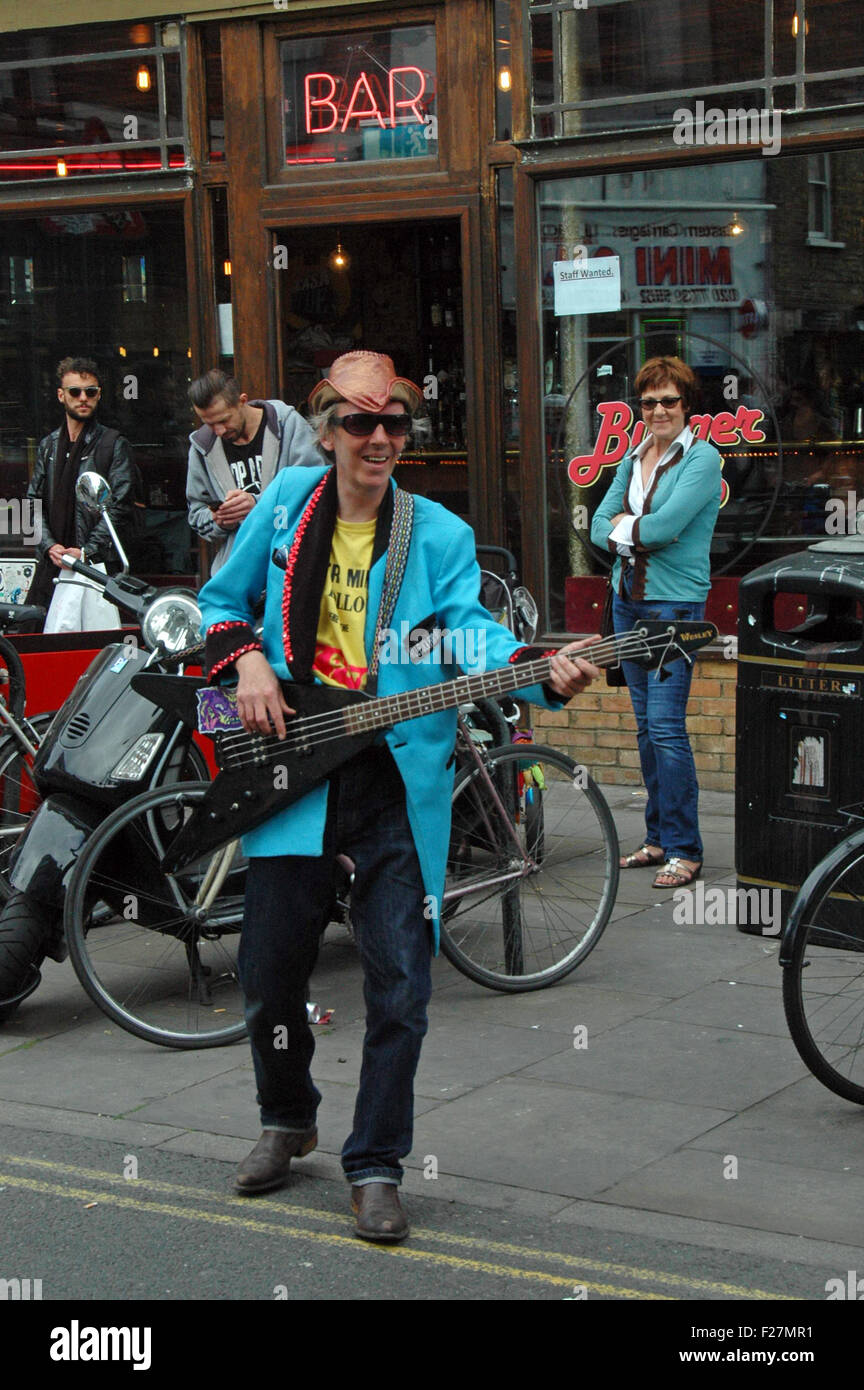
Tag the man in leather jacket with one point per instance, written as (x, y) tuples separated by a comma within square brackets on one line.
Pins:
[(79, 443)]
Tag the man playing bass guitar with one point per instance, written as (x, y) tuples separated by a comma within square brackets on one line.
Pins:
[(350, 565)]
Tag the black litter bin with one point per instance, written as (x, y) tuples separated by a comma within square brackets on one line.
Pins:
[(799, 722)]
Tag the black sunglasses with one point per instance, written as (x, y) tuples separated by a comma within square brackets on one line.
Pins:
[(651, 402), (88, 391), (363, 424)]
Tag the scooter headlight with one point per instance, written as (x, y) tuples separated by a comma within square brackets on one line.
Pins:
[(173, 621)]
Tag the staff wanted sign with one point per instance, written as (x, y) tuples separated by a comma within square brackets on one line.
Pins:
[(587, 287)]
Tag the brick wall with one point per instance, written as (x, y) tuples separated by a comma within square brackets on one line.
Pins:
[(598, 728)]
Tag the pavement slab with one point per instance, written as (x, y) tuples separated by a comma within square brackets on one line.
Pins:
[(766, 1196), (547, 1138), (700, 1065)]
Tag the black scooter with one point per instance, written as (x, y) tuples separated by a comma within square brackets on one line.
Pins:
[(106, 745)]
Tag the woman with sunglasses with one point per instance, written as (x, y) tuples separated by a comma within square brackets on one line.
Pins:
[(657, 519)]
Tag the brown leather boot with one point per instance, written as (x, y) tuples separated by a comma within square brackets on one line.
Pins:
[(379, 1214), (267, 1166)]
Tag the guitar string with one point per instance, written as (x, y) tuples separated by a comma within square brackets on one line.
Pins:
[(323, 728), (529, 674)]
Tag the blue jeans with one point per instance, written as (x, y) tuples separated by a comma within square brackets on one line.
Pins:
[(668, 770), (288, 900)]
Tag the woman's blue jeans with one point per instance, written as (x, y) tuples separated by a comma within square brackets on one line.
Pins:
[(288, 901), (660, 707)]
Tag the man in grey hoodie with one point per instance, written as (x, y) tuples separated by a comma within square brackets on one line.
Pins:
[(238, 450)]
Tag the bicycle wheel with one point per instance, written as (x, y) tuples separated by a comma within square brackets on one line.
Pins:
[(18, 794), (13, 687), (528, 897), (149, 950), (823, 976)]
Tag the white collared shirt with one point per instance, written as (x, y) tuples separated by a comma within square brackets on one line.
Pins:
[(622, 534)]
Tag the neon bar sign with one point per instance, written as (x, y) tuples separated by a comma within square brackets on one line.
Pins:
[(616, 438), (328, 104)]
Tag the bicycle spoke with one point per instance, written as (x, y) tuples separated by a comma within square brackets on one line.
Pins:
[(524, 931), (156, 960), (823, 986)]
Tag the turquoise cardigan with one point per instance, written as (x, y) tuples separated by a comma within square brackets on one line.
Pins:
[(441, 577), (673, 538)]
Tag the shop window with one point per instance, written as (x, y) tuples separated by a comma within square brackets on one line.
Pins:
[(629, 63), (503, 71), (223, 278), (360, 97), (819, 219), (834, 36), (511, 429), (92, 101), (716, 266), (393, 287), (108, 282), (211, 46)]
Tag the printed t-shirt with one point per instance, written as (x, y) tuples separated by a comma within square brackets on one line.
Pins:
[(244, 461), (340, 652)]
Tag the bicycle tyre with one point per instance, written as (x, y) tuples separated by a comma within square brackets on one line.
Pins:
[(13, 691), (19, 797), (823, 974), (532, 931), (137, 967)]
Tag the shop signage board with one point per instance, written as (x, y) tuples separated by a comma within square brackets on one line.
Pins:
[(365, 96), (620, 432)]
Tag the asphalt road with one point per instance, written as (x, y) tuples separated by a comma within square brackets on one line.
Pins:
[(75, 1216)]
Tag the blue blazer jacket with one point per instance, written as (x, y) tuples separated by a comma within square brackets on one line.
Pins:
[(441, 578)]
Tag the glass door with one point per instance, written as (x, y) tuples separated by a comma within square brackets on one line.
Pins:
[(391, 287)]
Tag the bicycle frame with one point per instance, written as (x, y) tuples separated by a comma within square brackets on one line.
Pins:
[(528, 865), (8, 723)]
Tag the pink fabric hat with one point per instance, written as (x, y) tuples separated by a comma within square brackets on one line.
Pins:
[(366, 379)]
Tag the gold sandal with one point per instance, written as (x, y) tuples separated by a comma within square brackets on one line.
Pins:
[(641, 859), (675, 870)]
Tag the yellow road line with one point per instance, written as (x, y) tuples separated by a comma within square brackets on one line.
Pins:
[(575, 1262), (215, 1218)]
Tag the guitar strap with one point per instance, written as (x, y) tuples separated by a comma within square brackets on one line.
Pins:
[(394, 573)]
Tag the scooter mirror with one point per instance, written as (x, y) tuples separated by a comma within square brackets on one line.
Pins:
[(93, 491)]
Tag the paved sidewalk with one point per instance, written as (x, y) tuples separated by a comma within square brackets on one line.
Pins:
[(688, 1114)]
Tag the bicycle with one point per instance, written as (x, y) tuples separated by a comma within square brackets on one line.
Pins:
[(822, 955), (163, 965), (530, 882)]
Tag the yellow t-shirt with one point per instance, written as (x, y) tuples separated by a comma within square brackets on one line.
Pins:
[(340, 653)]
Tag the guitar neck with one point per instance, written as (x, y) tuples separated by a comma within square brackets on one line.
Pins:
[(380, 713)]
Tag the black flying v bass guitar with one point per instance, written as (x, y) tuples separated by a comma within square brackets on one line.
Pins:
[(262, 774)]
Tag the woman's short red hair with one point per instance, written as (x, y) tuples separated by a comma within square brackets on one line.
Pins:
[(659, 369)]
